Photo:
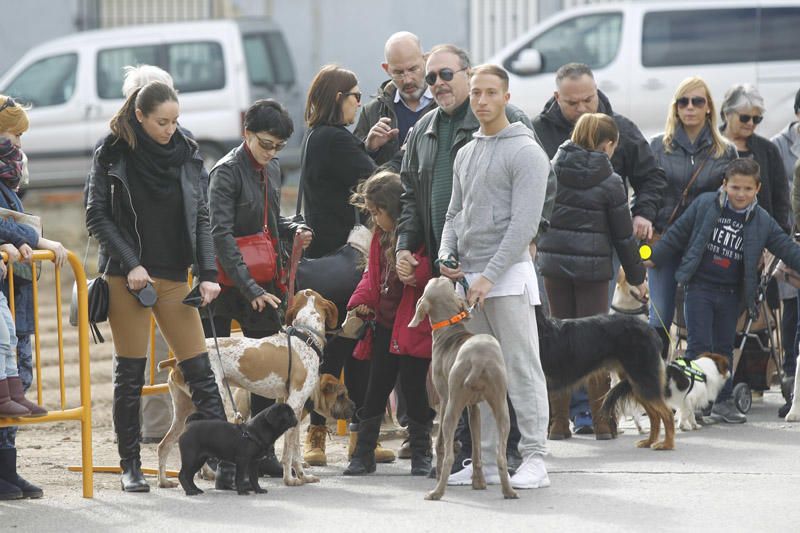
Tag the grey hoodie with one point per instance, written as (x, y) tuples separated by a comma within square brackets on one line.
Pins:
[(499, 185), (788, 143)]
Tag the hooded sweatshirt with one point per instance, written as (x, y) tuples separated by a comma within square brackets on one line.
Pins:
[(591, 216), (499, 185)]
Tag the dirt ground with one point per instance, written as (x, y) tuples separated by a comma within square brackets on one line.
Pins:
[(46, 450)]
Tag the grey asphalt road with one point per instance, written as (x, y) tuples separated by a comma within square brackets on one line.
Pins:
[(720, 478)]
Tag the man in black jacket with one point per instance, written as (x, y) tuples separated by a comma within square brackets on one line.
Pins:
[(384, 122), (576, 94)]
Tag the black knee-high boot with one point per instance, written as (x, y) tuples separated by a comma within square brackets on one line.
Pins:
[(128, 382), (206, 398), (419, 439), (269, 465), (363, 460)]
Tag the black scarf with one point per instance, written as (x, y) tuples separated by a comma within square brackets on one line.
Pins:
[(157, 166)]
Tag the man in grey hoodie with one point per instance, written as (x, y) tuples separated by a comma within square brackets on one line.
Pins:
[(499, 184)]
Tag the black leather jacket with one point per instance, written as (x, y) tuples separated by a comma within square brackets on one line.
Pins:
[(236, 205), (111, 215)]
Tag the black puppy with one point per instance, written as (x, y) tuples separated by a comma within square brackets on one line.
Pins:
[(243, 445)]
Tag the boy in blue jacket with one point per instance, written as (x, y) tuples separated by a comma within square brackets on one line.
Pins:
[(721, 236)]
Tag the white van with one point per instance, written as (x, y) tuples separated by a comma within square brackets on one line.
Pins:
[(74, 85), (641, 51)]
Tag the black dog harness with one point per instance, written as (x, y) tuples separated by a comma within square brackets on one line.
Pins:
[(247, 436), (308, 339), (691, 370)]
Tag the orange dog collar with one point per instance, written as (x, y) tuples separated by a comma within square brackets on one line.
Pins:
[(450, 321)]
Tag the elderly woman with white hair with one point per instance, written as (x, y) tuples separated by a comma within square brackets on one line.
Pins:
[(742, 110)]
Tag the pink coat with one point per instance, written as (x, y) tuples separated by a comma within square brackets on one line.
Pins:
[(415, 342)]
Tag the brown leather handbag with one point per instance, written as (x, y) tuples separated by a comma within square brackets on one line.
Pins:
[(682, 203)]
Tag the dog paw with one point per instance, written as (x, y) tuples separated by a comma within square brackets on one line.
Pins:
[(478, 484), (193, 492), (434, 495), (308, 478), (260, 491), (510, 495), (793, 415), (167, 484), (662, 445), (242, 492), (645, 443), (293, 482)]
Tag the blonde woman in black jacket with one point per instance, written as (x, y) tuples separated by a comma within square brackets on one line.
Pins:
[(146, 208), (591, 219)]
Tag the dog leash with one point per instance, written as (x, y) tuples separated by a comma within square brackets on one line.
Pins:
[(237, 416)]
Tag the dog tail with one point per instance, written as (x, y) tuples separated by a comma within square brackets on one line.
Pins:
[(619, 394), (168, 363)]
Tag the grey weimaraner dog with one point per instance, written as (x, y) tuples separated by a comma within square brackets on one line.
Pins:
[(466, 369)]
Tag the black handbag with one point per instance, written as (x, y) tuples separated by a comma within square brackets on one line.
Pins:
[(97, 297), (335, 275)]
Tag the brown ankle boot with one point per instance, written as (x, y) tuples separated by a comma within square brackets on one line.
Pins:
[(9, 407), (314, 448), (17, 393), (597, 386), (384, 455), (559, 415)]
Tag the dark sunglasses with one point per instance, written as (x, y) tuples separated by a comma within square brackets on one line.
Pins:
[(268, 145), (697, 101), (8, 103), (357, 95), (744, 119), (446, 74)]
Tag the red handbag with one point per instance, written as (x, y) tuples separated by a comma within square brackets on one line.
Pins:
[(258, 252)]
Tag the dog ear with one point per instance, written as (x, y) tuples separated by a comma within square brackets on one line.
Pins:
[(331, 313), (328, 383), (420, 313)]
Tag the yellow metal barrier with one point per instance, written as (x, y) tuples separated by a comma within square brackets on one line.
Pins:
[(82, 413)]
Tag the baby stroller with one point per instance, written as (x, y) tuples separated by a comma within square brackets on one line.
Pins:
[(758, 338)]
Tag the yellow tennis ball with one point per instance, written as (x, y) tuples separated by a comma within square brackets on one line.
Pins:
[(645, 251)]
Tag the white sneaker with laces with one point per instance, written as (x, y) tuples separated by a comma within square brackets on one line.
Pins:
[(531, 474), (464, 476)]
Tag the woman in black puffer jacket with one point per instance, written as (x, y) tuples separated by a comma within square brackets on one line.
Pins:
[(591, 218)]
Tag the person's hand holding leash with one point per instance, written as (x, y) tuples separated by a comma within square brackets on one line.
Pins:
[(454, 274), (406, 265), (209, 290), (478, 292), (305, 237), (642, 228), (363, 310), (137, 278)]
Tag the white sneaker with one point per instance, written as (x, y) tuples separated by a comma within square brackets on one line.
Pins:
[(531, 474), (464, 476)]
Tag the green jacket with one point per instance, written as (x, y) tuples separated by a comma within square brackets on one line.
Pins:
[(414, 225), (382, 106)]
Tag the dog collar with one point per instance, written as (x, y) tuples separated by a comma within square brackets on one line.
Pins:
[(450, 321), (642, 310), (246, 435), (308, 338)]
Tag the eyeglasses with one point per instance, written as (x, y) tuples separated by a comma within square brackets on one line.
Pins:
[(8, 103), (697, 101), (356, 94), (401, 74), (446, 74), (744, 119), (268, 145)]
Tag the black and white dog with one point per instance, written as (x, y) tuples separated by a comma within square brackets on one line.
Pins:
[(241, 444)]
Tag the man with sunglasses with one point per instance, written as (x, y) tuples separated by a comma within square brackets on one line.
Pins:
[(427, 175), (384, 122)]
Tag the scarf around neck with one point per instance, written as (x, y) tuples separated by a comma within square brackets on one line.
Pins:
[(157, 166), (11, 159)]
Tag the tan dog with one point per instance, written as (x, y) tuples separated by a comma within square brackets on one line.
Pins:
[(261, 366), (466, 369)]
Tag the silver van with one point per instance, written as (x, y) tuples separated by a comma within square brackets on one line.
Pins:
[(641, 51), (74, 85)]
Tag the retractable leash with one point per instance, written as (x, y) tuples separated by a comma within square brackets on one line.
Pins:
[(237, 416)]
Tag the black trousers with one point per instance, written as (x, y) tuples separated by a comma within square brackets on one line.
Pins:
[(338, 355), (385, 368)]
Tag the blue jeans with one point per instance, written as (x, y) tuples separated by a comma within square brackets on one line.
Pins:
[(711, 315), (8, 341), (662, 286)]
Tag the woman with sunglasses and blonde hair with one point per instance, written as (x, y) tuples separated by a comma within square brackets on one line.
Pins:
[(742, 110), (334, 162), (693, 155)]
